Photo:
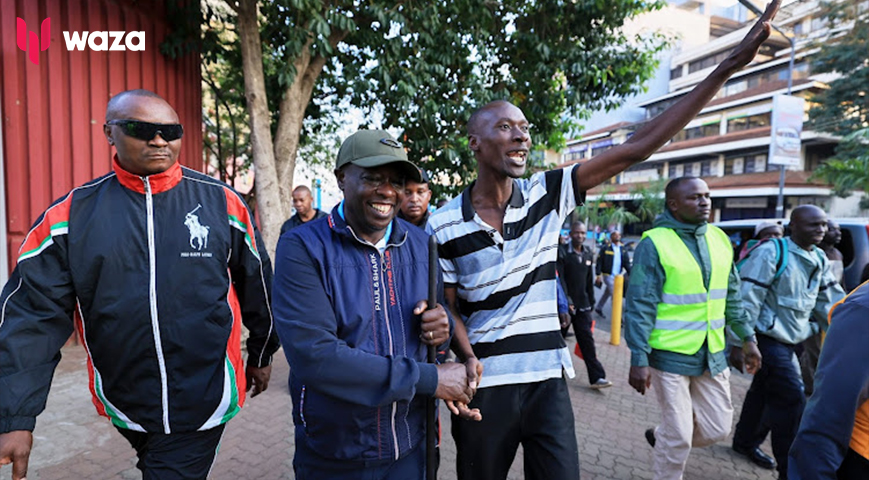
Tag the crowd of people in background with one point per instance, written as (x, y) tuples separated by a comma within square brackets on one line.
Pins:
[(360, 309)]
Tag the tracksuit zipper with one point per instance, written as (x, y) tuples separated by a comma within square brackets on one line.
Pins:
[(152, 300), (391, 350), (388, 330)]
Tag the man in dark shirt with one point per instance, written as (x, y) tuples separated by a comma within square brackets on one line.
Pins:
[(612, 260), (575, 270), (415, 199), (303, 203)]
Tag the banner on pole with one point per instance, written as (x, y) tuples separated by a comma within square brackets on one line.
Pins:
[(787, 128)]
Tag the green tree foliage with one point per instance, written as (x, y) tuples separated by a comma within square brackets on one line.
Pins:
[(603, 212), (428, 65), (843, 108), (849, 173), (423, 66), (649, 199)]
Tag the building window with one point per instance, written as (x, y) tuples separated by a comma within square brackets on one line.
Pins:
[(702, 131), (707, 62), (734, 165), (676, 73), (748, 122), (706, 168), (575, 155), (597, 151)]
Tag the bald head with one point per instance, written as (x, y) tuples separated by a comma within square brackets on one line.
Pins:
[(303, 202), (808, 226), (115, 109), (476, 120), (302, 189), (687, 198)]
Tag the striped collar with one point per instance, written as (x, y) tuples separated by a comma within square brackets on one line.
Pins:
[(160, 182), (516, 200)]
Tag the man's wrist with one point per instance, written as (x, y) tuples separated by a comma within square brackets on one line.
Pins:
[(750, 339)]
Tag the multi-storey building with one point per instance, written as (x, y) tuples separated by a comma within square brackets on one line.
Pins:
[(728, 143)]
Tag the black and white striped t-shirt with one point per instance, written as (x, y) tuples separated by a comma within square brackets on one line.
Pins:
[(506, 283)]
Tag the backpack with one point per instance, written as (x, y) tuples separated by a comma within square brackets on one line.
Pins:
[(781, 254)]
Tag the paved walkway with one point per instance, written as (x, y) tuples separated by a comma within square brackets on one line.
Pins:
[(72, 442)]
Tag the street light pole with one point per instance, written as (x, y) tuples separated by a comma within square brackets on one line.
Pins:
[(780, 202)]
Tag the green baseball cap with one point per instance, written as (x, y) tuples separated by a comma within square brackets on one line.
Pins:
[(374, 148)]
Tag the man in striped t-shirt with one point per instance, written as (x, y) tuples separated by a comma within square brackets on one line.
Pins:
[(498, 245)]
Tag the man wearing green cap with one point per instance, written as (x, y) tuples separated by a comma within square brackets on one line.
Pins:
[(348, 294)]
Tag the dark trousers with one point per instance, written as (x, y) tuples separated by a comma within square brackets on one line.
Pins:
[(584, 338), (774, 403), (176, 456), (854, 467), (537, 415), (308, 465)]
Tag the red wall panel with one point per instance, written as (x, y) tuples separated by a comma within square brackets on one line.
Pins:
[(52, 113)]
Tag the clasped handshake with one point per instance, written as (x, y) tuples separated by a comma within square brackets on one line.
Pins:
[(457, 382)]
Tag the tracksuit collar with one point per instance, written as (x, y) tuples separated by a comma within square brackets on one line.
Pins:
[(160, 182), (395, 233)]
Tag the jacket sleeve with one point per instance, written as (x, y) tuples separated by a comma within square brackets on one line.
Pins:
[(598, 266), (841, 382), (645, 291), (734, 314), (589, 285), (561, 298), (756, 277), (626, 260), (251, 272), (318, 357), (829, 293), (35, 321)]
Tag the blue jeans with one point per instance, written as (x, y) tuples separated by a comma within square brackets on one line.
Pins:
[(308, 465), (774, 403)]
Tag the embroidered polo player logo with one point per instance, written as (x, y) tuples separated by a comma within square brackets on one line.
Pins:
[(198, 231)]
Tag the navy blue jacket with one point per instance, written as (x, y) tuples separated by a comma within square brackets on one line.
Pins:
[(344, 314)]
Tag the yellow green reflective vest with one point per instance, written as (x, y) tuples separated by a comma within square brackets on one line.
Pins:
[(688, 314)]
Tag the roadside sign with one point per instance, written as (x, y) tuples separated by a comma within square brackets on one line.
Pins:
[(787, 127)]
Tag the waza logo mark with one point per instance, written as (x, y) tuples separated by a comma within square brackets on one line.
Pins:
[(37, 44)]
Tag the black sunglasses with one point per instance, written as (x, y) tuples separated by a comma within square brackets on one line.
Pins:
[(146, 131)]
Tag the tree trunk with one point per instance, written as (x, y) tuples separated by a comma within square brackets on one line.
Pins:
[(269, 205)]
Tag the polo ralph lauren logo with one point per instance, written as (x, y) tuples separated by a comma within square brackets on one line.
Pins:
[(36, 44)]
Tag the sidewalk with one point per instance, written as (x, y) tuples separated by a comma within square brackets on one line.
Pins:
[(72, 442)]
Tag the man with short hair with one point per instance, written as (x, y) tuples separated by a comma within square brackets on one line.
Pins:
[(162, 265), (612, 260), (415, 198), (684, 292), (349, 293), (575, 270), (783, 306), (305, 212), (498, 248)]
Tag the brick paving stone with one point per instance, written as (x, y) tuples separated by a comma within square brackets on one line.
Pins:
[(73, 442)]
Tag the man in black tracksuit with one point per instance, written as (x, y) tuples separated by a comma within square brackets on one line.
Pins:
[(611, 261), (162, 265), (575, 270)]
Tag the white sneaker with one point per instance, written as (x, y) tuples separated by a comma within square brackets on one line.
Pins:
[(602, 383)]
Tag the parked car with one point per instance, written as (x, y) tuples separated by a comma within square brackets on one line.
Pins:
[(854, 244)]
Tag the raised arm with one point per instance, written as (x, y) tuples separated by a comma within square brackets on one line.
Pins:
[(655, 133)]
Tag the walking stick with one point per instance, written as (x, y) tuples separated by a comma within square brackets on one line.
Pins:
[(430, 434)]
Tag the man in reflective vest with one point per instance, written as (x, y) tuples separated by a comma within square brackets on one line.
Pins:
[(683, 293)]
